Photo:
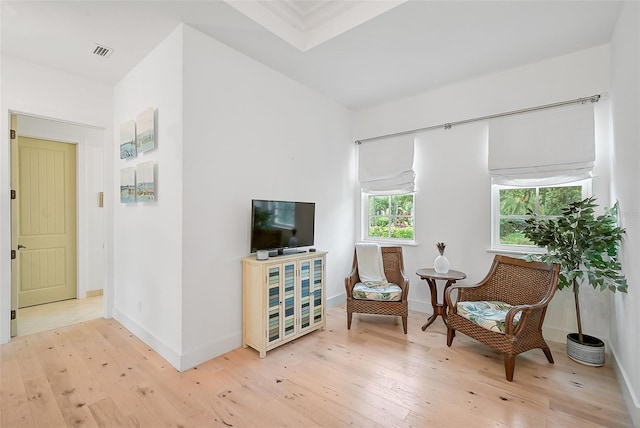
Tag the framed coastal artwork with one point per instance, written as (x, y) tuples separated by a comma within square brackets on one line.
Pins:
[(145, 131), (128, 185), (128, 140), (145, 187)]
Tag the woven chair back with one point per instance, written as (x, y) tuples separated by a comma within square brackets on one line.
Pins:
[(393, 264), (521, 285)]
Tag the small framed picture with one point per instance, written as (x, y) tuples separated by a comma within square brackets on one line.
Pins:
[(128, 185), (145, 185), (128, 140), (145, 131)]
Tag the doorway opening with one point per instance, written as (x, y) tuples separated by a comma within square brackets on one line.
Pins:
[(57, 231)]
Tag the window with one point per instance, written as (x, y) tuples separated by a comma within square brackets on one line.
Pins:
[(390, 217), (510, 205)]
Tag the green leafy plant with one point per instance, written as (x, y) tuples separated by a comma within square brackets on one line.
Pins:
[(583, 244)]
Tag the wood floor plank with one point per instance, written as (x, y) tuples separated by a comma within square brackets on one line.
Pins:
[(162, 377), (108, 415), (113, 369), (99, 374), (156, 403), (28, 358), (244, 399), (45, 410), (76, 368), (14, 405), (236, 390), (62, 383), (262, 384), (348, 391), (589, 411)]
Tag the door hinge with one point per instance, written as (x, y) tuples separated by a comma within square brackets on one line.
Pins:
[(13, 254), (13, 194), (12, 134), (13, 314)]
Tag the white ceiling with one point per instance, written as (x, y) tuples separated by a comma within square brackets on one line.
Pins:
[(409, 47), (307, 23)]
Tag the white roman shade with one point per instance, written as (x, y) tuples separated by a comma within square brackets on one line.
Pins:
[(385, 166), (553, 146)]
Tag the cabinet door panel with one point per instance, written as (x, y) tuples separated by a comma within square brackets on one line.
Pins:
[(289, 300), (318, 272), (274, 308), (305, 294)]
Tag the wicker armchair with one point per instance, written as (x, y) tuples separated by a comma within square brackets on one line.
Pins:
[(394, 271), (528, 287)]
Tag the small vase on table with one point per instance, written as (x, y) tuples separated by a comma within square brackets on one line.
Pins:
[(441, 263)]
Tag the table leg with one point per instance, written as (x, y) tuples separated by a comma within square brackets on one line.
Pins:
[(430, 321), (444, 304), (438, 309), (434, 302)]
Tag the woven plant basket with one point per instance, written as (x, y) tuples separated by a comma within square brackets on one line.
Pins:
[(589, 352)]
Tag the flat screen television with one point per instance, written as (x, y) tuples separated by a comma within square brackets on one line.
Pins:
[(276, 225)]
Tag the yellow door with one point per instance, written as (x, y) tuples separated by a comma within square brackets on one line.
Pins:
[(46, 201)]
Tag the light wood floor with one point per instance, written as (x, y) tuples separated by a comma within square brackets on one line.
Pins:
[(98, 374), (58, 314)]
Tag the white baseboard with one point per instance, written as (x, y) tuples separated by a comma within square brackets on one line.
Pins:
[(154, 343), (420, 306), (553, 334), (94, 293), (629, 394), (184, 361), (209, 351), (334, 301)]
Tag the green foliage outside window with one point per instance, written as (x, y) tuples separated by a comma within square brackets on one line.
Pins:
[(543, 201), (391, 216)]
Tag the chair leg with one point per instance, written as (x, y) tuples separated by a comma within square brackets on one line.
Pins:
[(509, 366), (404, 324), (547, 353), (349, 315), (450, 335)]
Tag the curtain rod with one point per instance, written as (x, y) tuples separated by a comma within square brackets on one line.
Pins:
[(592, 98)]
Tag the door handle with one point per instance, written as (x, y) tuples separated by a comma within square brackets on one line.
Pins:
[(20, 247)]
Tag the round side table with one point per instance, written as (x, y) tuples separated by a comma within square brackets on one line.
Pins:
[(431, 276)]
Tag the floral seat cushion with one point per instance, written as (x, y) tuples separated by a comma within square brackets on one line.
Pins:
[(489, 315), (381, 291)]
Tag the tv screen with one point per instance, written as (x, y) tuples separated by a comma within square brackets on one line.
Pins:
[(281, 224)]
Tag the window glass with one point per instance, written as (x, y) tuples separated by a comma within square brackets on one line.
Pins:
[(554, 199), (512, 205), (390, 217)]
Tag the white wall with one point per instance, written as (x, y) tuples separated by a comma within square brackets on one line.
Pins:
[(250, 132), (453, 184), (148, 236), (43, 92), (228, 130), (625, 102)]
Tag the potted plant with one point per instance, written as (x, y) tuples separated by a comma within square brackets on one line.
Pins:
[(586, 248)]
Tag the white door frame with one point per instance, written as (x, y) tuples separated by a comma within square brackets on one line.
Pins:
[(89, 143)]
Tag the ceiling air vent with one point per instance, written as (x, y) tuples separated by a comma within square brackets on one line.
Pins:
[(102, 51)]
